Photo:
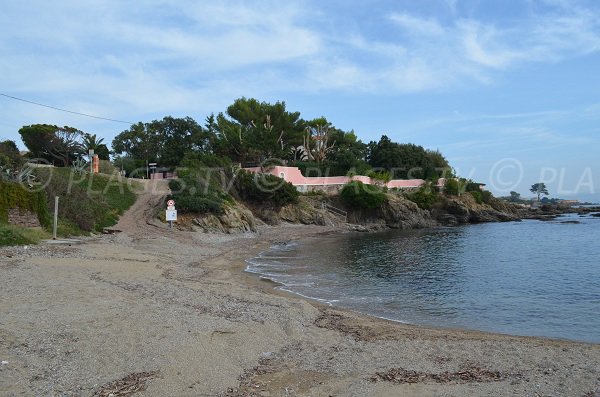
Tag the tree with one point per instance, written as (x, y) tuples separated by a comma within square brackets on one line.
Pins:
[(91, 142), (347, 155), (514, 197), (317, 143), (177, 136), (10, 155), (137, 142), (441, 165), (37, 139), (66, 145), (253, 131), (165, 141), (53, 143), (539, 189), (404, 161)]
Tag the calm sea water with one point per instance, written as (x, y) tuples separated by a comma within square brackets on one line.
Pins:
[(522, 278)]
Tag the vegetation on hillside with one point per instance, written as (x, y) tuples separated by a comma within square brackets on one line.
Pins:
[(208, 158), (357, 195), (202, 185), (14, 235), (88, 203), (250, 133), (13, 195)]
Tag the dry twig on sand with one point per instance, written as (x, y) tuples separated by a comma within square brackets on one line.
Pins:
[(472, 374), (126, 386)]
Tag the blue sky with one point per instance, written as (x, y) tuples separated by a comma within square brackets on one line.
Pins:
[(508, 90)]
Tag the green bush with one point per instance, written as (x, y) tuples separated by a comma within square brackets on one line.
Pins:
[(452, 187), (106, 167), (14, 195), (89, 202), (487, 196), (477, 196), (200, 187), (10, 235), (265, 189), (358, 195), (383, 176), (134, 168), (425, 197), (198, 204), (199, 159), (471, 186)]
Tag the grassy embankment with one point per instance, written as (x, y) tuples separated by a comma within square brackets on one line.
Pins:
[(87, 204)]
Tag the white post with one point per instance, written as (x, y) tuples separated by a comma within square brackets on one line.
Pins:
[(91, 153), (55, 218)]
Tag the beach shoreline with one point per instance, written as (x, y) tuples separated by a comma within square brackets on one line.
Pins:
[(175, 313)]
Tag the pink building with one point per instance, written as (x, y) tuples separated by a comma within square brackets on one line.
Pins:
[(333, 183)]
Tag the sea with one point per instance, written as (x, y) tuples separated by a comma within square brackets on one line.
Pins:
[(530, 278)]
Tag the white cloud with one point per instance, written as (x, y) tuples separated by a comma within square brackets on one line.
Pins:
[(481, 46), (119, 61), (416, 25)]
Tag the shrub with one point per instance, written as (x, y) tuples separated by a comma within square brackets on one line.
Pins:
[(106, 167), (358, 195), (477, 196), (133, 168), (487, 196), (15, 195), (10, 235), (471, 186), (452, 187), (200, 187), (265, 188), (89, 202), (199, 204), (424, 197), (383, 176)]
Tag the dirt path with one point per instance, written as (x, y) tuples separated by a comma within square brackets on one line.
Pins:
[(141, 217)]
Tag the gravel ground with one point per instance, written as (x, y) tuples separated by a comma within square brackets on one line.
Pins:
[(157, 312)]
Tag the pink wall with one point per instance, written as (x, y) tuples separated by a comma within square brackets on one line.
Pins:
[(295, 177)]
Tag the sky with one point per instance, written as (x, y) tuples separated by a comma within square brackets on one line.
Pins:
[(508, 91)]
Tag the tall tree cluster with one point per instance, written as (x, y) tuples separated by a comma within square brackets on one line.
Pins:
[(60, 145), (165, 141), (406, 161), (248, 133)]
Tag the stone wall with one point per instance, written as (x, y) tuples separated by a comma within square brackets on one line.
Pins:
[(24, 218), (327, 189)]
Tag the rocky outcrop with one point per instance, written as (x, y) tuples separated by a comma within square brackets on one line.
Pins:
[(400, 213), (464, 209), (303, 213), (397, 213), (236, 219)]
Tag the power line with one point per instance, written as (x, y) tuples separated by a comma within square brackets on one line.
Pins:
[(65, 110)]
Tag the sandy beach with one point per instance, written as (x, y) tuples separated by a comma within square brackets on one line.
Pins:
[(155, 312)]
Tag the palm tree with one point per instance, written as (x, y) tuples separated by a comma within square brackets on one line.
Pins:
[(91, 142)]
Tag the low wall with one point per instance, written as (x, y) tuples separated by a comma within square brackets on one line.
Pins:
[(24, 218), (333, 184), (327, 189), (163, 175)]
